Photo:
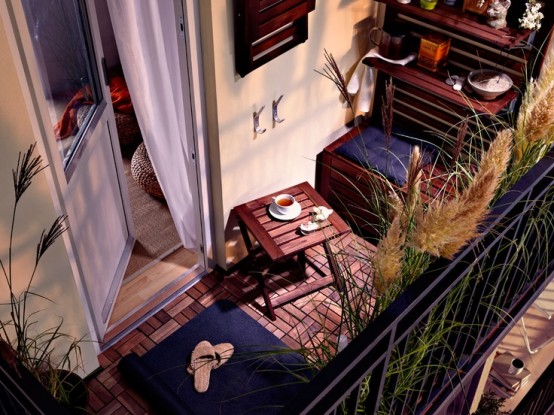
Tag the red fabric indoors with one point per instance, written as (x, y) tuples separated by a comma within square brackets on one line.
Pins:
[(121, 100)]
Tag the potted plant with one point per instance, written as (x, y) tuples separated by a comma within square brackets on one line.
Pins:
[(50, 354), (490, 404)]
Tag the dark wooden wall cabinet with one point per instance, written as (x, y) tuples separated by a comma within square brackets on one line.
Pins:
[(265, 29)]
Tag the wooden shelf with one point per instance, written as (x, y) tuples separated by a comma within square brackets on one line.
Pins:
[(434, 83), (469, 24)]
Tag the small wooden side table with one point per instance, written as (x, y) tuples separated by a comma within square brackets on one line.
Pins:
[(281, 240)]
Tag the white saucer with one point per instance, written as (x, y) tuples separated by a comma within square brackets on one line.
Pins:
[(294, 212)]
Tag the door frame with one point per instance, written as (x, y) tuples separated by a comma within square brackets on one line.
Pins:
[(31, 83), (39, 117), (192, 55)]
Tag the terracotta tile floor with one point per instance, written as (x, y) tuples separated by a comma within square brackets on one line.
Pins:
[(296, 322)]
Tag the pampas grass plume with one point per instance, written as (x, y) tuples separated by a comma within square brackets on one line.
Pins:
[(388, 258), (448, 225), (535, 121), (413, 184)]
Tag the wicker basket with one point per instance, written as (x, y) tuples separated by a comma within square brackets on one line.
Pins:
[(127, 126), (82, 113), (143, 173)]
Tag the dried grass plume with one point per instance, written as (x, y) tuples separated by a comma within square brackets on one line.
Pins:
[(388, 258), (447, 225), (535, 121), (332, 72)]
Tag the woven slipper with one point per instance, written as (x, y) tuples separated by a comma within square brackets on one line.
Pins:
[(201, 364), (223, 353)]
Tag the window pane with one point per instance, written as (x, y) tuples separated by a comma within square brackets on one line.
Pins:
[(61, 40)]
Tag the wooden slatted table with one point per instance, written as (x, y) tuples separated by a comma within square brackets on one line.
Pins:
[(282, 240)]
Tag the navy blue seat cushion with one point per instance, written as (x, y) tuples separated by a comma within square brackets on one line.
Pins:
[(369, 150), (258, 378)]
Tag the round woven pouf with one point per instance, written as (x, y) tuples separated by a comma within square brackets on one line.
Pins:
[(143, 173), (127, 128)]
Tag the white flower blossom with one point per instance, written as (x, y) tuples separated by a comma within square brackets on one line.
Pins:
[(532, 16)]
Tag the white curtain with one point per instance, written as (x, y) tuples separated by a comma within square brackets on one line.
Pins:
[(146, 37)]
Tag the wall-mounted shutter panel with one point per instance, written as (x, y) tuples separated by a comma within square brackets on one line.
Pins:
[(265, 29)]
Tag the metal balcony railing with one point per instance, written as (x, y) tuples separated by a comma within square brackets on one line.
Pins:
[(421, 354)]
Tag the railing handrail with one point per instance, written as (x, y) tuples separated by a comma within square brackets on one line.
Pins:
[(365, 353)]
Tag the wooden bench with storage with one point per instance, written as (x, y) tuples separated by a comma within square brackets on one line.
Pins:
[(359, 168)]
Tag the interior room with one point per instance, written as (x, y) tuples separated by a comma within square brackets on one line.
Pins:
[(279, 206), (159, 265)]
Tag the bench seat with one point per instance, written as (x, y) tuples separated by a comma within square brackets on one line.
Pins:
[(355, 167)]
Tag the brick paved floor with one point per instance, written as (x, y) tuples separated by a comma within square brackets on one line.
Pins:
[(297, 323)]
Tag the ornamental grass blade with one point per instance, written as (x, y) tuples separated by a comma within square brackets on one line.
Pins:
[(28, 166)]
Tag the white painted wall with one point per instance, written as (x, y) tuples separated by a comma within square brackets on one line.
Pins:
[(54, 276), (245, 166)]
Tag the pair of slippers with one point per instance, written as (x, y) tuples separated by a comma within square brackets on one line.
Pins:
[(204, 359)]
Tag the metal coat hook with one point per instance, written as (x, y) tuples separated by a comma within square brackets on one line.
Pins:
[(275, 114), (256, 116)]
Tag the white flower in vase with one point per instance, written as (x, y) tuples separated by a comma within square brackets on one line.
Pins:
[(532, 16)]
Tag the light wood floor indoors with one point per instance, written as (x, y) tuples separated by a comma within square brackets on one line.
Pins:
[(145, 291), (159, 265)]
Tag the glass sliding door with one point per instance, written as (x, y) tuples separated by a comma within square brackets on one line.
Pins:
[(65, 57)]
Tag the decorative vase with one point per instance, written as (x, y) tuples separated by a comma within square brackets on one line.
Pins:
[(497, 13), (428, 4)]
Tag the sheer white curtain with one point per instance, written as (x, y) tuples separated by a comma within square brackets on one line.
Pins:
[(146, 37)]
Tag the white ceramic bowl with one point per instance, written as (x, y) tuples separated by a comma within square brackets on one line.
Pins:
[(489, 83)]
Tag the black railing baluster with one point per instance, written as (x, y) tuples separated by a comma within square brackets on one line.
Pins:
[(379, 376), (353, 401)]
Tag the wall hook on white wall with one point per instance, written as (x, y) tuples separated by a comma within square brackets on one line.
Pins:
[(256, 116), (275, 113)]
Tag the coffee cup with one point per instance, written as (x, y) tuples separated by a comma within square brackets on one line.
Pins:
[(391, 45), (283, 203), (516, 367)]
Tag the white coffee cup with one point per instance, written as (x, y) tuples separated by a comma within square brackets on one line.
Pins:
[(516, 366), (283, 203)]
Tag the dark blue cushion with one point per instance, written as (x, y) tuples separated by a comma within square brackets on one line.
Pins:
[(369, 149), (257, 380)]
